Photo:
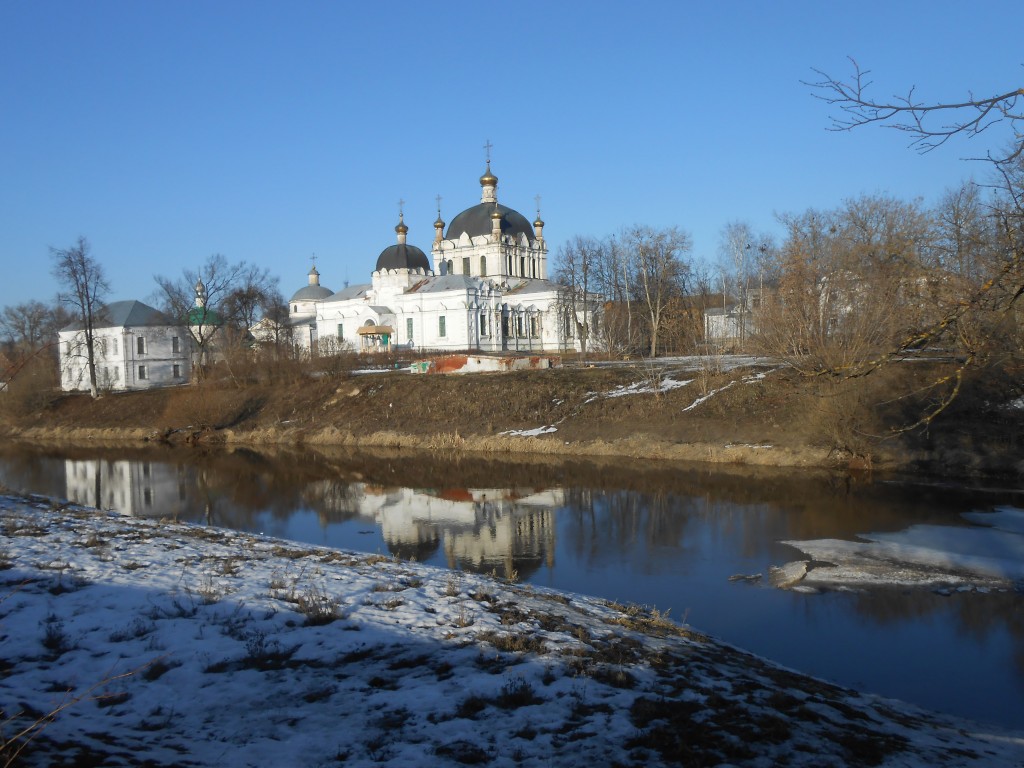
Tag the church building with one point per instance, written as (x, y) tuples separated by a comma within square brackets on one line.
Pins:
[(485, 287)]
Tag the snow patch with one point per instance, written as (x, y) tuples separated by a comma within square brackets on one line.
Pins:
[(531, 432), (986, 556)]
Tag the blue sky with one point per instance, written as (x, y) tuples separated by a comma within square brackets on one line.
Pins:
[(266, 131)]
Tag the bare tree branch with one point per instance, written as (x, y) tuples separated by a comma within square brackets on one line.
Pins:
[(922, 121)]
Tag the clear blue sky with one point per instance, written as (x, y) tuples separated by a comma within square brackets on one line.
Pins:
[(166, 131)]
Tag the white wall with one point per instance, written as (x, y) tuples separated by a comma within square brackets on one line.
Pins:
[(119, 364)]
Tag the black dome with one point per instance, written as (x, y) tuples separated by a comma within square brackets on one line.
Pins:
[(402, 256), (477, 221)]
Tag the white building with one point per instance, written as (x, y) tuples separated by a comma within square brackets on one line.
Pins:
[(486, 290), (135, 347)]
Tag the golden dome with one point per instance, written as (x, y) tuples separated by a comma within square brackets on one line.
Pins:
[(488, 179), (401, 228)]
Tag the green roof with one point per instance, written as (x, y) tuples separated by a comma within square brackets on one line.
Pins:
[(203, 316)]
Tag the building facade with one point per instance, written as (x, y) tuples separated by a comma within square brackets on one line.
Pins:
[(484, 288), (134, 347)]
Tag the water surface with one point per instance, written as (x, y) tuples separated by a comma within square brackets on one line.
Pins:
[(644, 533)]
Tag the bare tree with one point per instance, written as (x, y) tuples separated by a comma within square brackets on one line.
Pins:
[(576, 269), (612, 278), (218, 301), (28, 342), (852, 283), (991, 300), (278, 334), (661, 272), (32, 325), (930, 125), (85, 288)]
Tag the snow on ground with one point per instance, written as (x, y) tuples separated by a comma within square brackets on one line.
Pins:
[(987, 555), (704, 398), (167, 644), (531, 432)]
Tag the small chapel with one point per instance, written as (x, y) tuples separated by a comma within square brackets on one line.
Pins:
[(484, 288)]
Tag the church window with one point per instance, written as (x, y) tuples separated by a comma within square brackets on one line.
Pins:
[(465, 265), (295, 309), (533, 326), (175, 345), (141, 345), (177, 371), (440, 326), (483, 266), (147, 497), (484, 331), (408, 329), (341, 332), (522, 266), (142, 372), (519, 325)]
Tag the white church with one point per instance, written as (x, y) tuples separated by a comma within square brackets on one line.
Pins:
[(485, 288)]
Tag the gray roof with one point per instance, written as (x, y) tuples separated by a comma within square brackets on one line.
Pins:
[(439, 283), (403, 256), (311, 293), (351, 292), (125, 314), (532, 285), (477, 221)]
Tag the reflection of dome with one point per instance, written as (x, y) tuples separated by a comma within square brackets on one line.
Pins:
[(476, 221), (402, 256)]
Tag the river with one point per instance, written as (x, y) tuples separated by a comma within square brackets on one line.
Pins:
[(665, 536)]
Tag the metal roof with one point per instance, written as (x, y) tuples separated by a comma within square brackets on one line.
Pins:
[(124, 314), (351, 292), (476, 221), (403, 256), (311, 293)]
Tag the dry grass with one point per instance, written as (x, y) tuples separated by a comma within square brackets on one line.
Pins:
[(804, 422)]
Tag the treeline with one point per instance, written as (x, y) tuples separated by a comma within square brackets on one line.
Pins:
[(218, 303)]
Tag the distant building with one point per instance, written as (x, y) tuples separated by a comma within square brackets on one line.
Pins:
[(486, 289), (135, 347)]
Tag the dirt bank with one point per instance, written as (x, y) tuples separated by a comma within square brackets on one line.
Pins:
[(756, 415)]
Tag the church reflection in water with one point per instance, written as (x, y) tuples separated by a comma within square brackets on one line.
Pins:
[(507, 531)]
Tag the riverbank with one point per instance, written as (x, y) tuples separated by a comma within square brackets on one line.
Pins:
[(182, 645), (751, 413)]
